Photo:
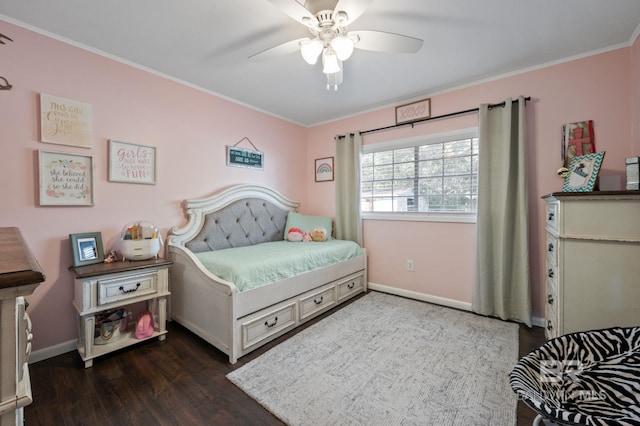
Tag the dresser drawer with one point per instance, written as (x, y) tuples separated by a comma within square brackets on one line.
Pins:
[(350, 286), (317, 302), (552, 249), (265, 325), (552, 216), (126, 287)]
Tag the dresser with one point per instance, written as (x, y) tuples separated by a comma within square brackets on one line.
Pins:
[(592, 262), (20, 274), (108, 286)]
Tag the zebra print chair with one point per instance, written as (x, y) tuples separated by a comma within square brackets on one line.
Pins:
[(585, 378)]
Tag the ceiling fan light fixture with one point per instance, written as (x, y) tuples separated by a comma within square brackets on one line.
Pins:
[(343, 46), (311, 50), (330, 62)]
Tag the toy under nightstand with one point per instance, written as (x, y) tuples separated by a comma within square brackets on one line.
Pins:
[(106, 286)]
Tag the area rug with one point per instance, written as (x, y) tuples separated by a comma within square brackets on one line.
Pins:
[(387, 360)]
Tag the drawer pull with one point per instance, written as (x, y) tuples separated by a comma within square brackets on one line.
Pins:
[(550, 274), (317, 302), (549, 325), (550, 299), (551, 216), (131, 290), (275, 321), (350, 286), (550, 247)]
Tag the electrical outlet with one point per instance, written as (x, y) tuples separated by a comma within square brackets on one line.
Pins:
[(410, 265)]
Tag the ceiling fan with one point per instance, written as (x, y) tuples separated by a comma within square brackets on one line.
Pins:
[(327, 20)]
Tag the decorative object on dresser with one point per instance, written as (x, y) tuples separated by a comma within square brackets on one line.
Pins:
[(20, 274), (109, 286), (582, 174), (86, 248), (592, 262), (387, 360), (633, 173), (140, 240), (238, 313)]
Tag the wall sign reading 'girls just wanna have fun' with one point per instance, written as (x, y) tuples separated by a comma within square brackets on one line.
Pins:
[(132, 163)]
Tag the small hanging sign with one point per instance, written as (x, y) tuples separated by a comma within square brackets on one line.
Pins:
[(243, 157)]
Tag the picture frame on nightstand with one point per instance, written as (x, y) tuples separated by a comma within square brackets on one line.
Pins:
[(86, 248)]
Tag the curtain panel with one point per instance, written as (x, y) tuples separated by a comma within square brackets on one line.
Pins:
[(502, 286), (347, 180)]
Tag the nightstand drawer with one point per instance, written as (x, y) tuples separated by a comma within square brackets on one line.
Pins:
[(127, 287)]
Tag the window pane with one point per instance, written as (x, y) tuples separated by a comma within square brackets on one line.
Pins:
[(430, 186), (383, 172), (403, 155), (366, 174), (457, 165), (403, 204), (382, 204), (383, 157), (431, 168), (367, 160), (403, 187), (458, 147), (382, 188), (404, 170), (431, 151)]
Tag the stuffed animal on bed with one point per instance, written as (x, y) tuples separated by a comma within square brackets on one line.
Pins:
[(306, 237), (319, 234), (294, 235)]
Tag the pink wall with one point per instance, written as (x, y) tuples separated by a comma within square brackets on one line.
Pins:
[(594, 88), (635, 98), (189, 128)]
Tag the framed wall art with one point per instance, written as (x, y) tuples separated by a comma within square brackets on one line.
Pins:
[(86, 248), (583, 173), (324, 169), (132, 163), (65, 179), (65, 121), (414, 111)]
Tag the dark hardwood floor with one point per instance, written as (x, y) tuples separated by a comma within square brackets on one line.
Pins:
[(180, 381)]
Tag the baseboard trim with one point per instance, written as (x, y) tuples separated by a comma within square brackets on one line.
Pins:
[(52, 351), (451, 303), (437, 300)]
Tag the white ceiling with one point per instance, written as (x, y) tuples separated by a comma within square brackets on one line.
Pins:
[(206, 43)]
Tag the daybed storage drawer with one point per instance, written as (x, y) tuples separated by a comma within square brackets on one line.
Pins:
[(317, 302), (264, 326), (350, 286), (126, 287)]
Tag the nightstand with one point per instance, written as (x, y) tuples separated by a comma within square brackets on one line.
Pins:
[(107, 286)]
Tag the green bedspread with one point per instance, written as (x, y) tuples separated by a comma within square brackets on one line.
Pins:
[(254, 266)]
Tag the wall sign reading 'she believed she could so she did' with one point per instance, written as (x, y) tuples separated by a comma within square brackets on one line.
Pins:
[(132, 163), (65, 179)]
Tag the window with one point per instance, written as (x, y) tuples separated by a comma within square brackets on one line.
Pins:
[(424, 178)]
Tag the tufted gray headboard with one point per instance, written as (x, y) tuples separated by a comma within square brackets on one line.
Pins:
[(244, 222)]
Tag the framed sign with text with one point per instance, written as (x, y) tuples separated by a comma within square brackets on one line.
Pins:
[(242, 157), (133, 163), (65, 179), (414, 111), (65, 121)]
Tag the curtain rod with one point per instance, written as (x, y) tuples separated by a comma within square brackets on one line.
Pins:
[(452, 114)]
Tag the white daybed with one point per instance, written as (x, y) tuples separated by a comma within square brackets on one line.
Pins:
[(237, 322)]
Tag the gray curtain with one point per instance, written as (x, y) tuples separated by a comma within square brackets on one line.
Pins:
[(347, 180), (502, 285)]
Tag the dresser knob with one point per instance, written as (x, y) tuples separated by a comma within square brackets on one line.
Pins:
[(275, 321), (550, 299), (550, 274), (551, 216), (550, 247), (317, 302), (549, 325)]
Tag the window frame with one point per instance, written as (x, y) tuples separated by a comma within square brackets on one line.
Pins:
[(467, 133)]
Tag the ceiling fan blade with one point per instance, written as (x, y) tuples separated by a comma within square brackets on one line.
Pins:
[(296, 11), (279, 50), (353, 9), (380, 41)]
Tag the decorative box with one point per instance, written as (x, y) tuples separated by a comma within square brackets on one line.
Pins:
[(140, 241), (633, 173)]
